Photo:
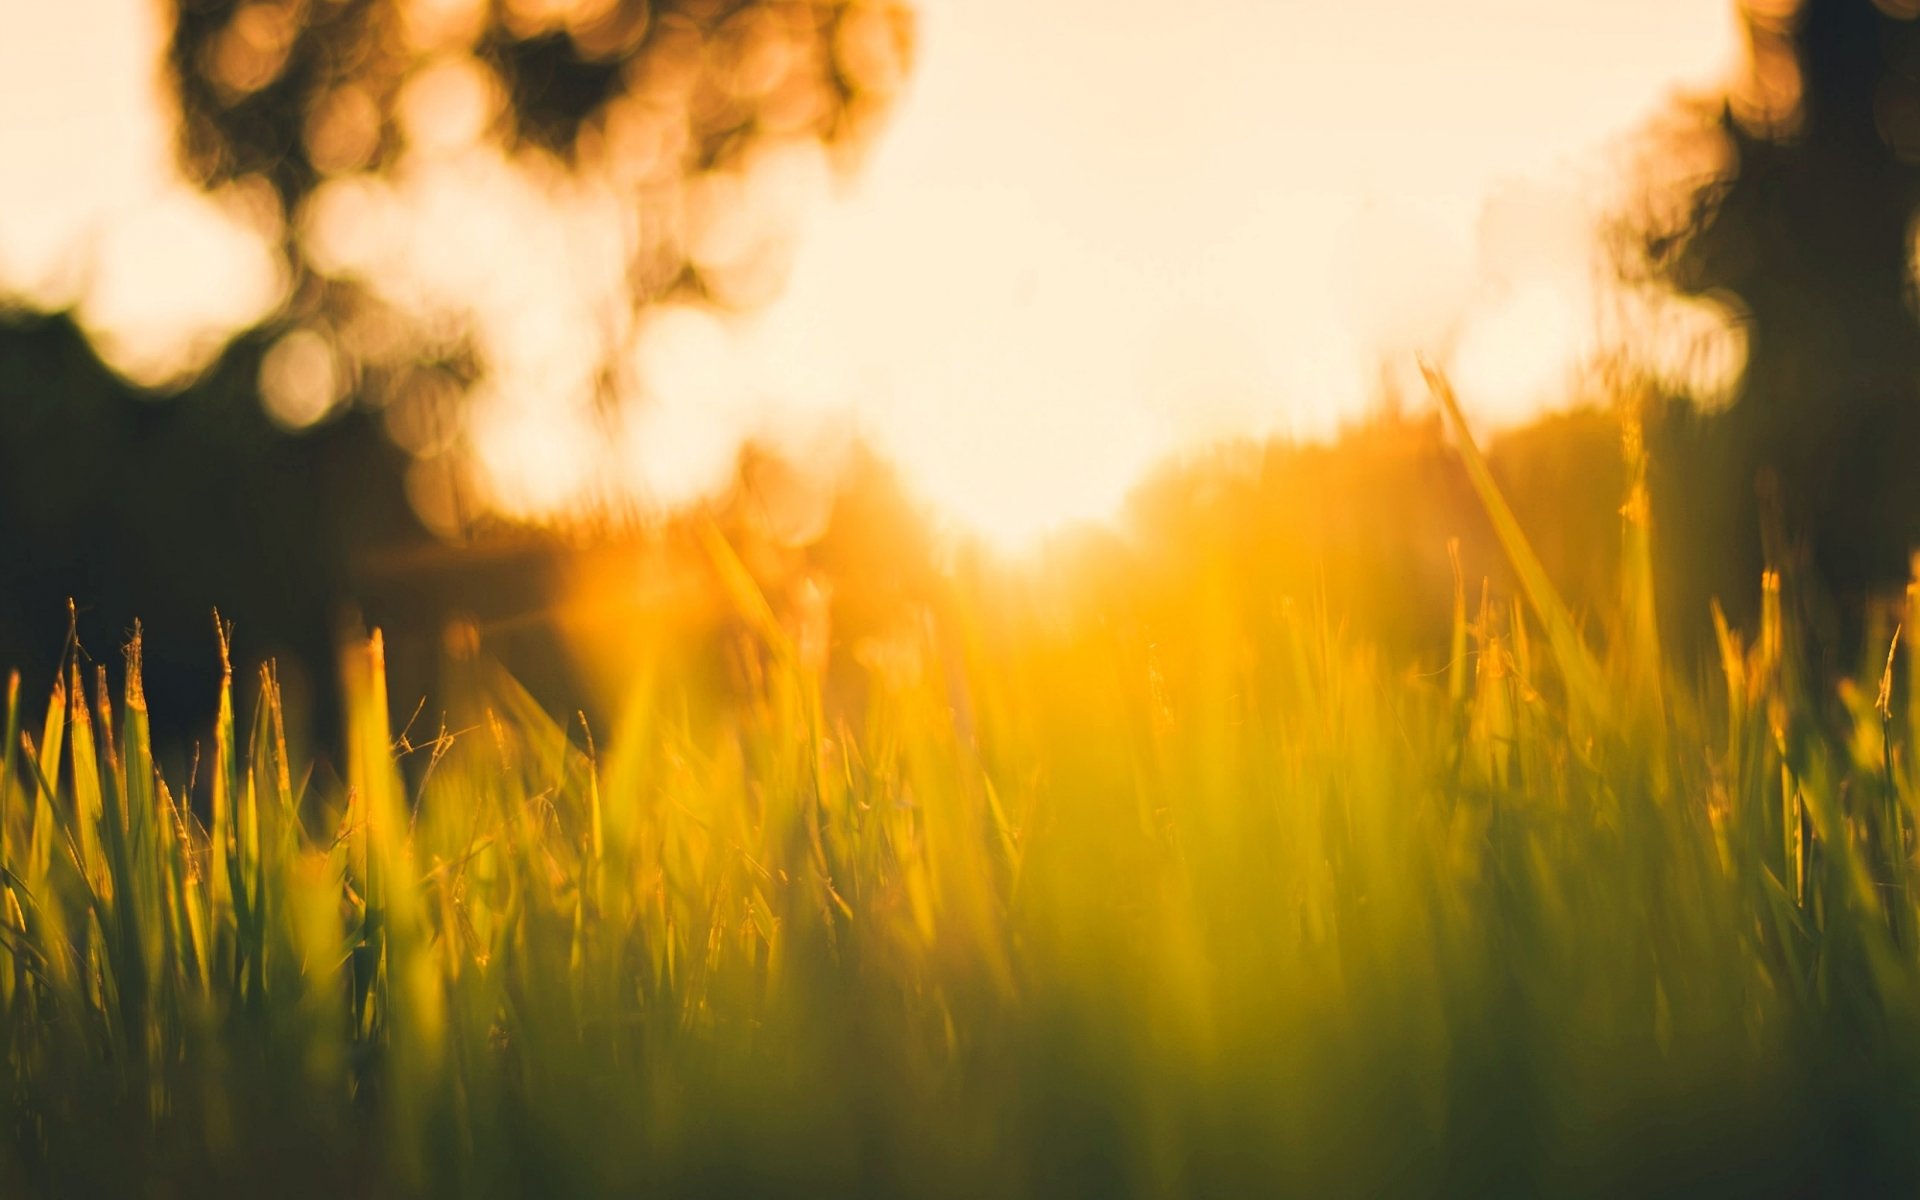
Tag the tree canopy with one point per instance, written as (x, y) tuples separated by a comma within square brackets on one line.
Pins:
[(1808, 232)]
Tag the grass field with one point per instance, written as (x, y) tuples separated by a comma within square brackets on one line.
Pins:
[(1075, 898)]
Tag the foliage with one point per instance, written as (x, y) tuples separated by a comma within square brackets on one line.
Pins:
[(1084, 894), (294, 92), (1805, 231)]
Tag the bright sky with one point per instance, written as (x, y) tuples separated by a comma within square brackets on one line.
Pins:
[(1097, 232), (93, 212), (1101, 230)]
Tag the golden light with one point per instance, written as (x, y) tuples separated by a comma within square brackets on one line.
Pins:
[(1521, 352), (300, 380), (1094, 235), (161, 275)]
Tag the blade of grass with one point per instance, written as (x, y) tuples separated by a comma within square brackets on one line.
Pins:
[(1579, 670)]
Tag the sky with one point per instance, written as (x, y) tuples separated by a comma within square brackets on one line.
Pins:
[(93, 212), (1103, 230), (1095, 233)]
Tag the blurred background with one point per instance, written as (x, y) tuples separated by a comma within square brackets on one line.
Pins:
[(463, 314)]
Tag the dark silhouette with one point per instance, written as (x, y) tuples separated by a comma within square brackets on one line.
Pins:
[(162, 509), (1809, 235)]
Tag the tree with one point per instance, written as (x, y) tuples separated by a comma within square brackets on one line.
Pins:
[(160, 510), (296, 91), (1808, 232), (663, 112)]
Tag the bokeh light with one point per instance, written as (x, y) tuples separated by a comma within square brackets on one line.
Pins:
[(160, 272), (299, 380), (1090, 237)]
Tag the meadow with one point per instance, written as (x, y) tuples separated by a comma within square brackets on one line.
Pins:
[(1126, 887)]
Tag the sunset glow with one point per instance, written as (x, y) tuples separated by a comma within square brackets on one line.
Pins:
[(1092, 236), (1030, 598)]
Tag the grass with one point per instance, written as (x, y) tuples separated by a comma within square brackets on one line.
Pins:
[(1167, 891)]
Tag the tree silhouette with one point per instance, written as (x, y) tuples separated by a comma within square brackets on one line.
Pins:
[(292, 91), (1809, 234)]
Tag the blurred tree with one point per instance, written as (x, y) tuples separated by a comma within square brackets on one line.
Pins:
[(660, 109), (298, 91), (159, 508), (1808, 234)]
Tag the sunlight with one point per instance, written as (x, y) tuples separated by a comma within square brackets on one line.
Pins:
[(1523, 351), (1005, 314), (174, 272), (959, 597), (1090, 239), (1046, 281)]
